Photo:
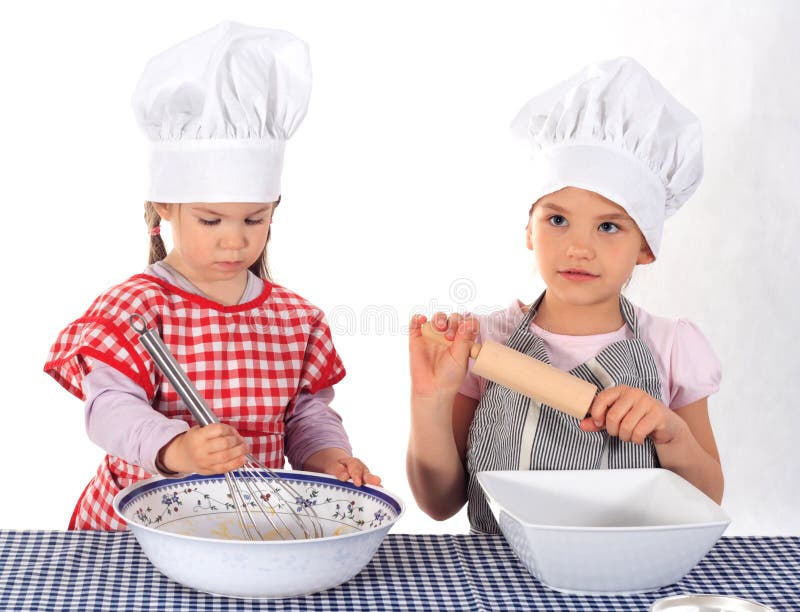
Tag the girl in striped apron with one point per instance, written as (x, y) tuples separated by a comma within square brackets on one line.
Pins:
[(614, 154), (218, 109)]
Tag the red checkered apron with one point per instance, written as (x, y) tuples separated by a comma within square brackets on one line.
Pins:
[(249, 361)]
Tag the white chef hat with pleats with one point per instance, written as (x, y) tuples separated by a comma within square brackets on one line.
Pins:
[(218, 109), (615, 130)]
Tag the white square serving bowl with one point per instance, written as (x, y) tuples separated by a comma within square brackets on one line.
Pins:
[(604, 531)]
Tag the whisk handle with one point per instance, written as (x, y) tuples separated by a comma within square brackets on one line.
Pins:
[(166, 362)]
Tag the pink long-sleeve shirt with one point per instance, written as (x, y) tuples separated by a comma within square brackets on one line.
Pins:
[(120, 420)]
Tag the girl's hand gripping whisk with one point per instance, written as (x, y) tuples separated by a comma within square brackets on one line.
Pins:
[(214, 449)]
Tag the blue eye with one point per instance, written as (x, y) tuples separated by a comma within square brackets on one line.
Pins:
[(608, 227), (557, 221), (209, 222)]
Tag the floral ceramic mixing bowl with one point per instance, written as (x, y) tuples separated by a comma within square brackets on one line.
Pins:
[(189, 529)]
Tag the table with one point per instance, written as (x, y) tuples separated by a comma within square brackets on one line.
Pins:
[(89, 570)]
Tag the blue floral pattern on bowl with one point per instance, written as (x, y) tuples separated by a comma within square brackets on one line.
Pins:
[(202, 505)]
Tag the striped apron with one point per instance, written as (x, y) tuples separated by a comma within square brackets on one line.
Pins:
[(513, 432)]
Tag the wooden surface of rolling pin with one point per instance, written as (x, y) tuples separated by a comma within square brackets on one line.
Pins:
[(526, 375)]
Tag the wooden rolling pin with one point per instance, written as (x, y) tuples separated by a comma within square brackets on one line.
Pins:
[(526, 375)]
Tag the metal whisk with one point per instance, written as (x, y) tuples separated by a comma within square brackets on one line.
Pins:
[(256, 490)]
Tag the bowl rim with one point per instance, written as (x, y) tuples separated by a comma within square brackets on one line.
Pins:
[(663, 603), (631, 528), (155, 481)]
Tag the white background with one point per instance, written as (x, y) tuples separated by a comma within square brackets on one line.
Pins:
[(403, 193)]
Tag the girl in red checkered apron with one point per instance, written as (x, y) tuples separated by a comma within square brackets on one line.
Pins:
[(217, 109)]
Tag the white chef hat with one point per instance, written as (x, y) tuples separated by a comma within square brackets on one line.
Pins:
[(218, 109), (613, 129)]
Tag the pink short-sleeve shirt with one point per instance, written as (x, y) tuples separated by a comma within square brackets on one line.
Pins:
[(688, 368)]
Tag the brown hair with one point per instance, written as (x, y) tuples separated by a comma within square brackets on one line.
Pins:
[(260, 267), (158, 251)]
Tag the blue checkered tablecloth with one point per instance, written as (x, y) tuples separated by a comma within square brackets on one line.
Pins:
[(56, 570)]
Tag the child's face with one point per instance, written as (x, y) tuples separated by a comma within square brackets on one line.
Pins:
[(585, 245), (217, 241)]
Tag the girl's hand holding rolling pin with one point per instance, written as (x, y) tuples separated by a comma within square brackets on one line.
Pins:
[(633, 415), (213, 449), (438, 369)]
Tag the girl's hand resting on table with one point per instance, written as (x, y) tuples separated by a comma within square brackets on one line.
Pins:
[(213, 449), (633, 415), (438, 368)]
